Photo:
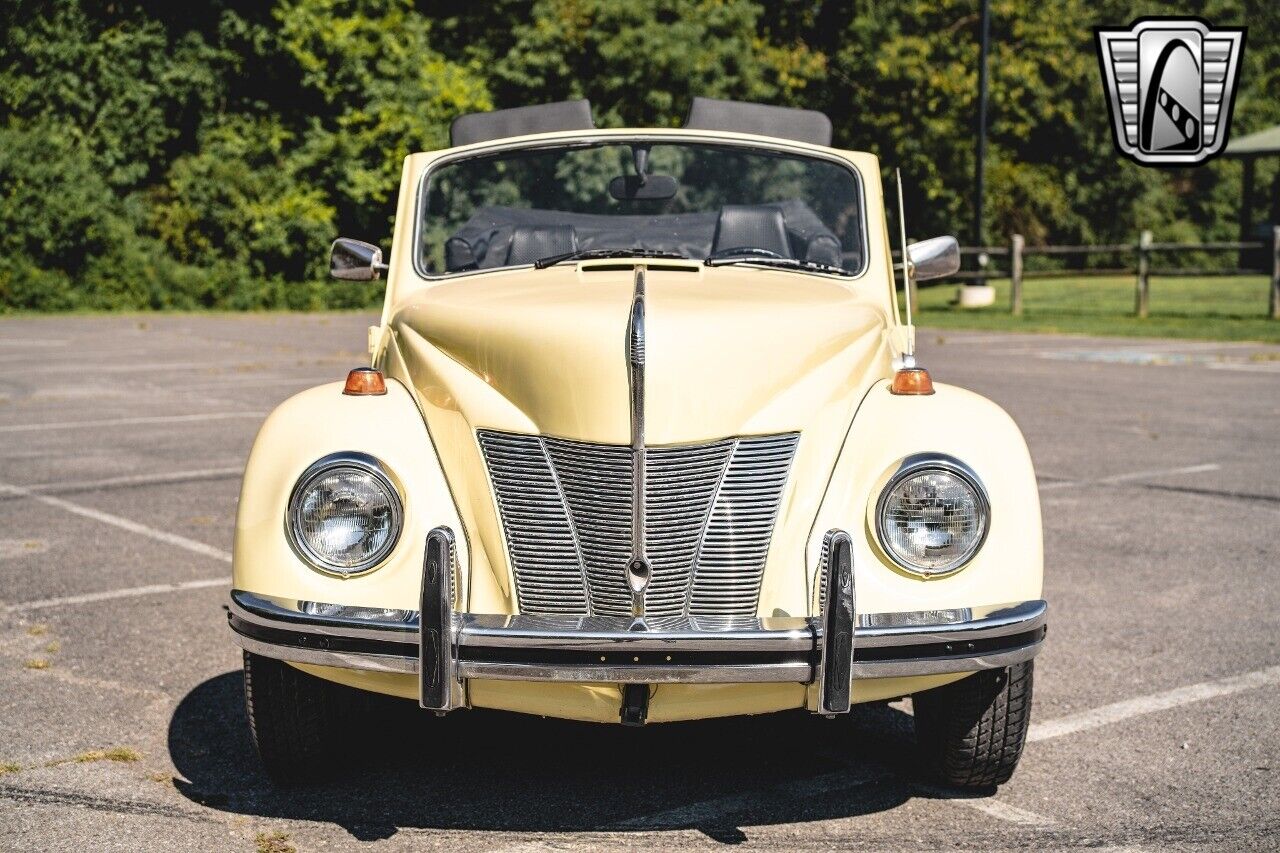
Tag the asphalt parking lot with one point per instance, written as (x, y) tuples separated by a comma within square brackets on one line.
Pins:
[(1156, 714)]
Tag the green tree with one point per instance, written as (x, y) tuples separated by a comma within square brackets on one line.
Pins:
[(387, 93), (68, 240), (155, 154), (240, 198), (124, 87), (641, 62)]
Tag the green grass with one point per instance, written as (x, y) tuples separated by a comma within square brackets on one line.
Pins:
[(1224, 309)]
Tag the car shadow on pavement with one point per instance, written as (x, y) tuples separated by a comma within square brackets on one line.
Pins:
[(495, 771)]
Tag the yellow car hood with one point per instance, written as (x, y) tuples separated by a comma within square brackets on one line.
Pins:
[(730, 351)]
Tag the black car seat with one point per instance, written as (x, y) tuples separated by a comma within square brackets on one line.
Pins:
[(458, 255), (531, 242), (824, 249), (744, 226)]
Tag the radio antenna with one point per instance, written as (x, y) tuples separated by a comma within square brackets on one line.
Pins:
[(906, 264)]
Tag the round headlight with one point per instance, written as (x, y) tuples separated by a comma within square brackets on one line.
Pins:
[(345, 514), (932, 516)]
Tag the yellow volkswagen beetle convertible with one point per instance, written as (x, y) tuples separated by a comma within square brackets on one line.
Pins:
[(642, 439)]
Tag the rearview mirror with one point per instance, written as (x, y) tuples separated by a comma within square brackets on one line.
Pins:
[(646, 188), (355, 260), (935, 258)]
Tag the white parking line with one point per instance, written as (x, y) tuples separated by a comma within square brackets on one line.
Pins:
[(709, 810), (694, 814), (139, 480), (1125, 478), (36, 342), (239, 382), (1247, 366), (1005, 812), (152, 366), (990, 807), (123, 523), (159, 419), (108, 595), (1178, 346), (1118, 711), (212, 367)]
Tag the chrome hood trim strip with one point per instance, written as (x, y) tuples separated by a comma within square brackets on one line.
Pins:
[(639, 571)]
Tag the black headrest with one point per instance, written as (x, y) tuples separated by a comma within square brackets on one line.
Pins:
[(742, 117), (532, 242), (518, 121), (744, 226)]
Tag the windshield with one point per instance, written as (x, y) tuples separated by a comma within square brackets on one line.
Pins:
[(663, 199)]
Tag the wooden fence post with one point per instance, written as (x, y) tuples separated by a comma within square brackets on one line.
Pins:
[(1142, 299), (1275, 273), (1015, 274)]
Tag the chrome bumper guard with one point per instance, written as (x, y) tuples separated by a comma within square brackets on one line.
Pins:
[(447, 648)]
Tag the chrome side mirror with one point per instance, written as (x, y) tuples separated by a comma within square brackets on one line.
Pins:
[(355, 260), (935, 258)]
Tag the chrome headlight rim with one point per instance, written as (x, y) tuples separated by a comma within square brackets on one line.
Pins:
[(351, 461), (922, 463)]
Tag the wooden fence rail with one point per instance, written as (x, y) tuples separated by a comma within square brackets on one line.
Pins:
[(1143, 269)]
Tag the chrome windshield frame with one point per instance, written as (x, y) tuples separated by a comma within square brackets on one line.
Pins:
[(587, 139)]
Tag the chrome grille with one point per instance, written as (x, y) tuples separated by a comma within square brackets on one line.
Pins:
[(736, 541), (566, 515), (682, 485), (820, 588), (530, 500), (595, 480)]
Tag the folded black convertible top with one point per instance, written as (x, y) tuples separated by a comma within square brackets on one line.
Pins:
[(704, 114)]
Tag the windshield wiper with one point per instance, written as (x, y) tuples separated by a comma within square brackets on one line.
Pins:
[(588, 254), (787, 263)]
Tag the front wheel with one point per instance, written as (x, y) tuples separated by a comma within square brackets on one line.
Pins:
[(971, 731), (301, 725)]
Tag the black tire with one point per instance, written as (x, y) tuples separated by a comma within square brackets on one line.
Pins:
[(302, 726), (971, 731)]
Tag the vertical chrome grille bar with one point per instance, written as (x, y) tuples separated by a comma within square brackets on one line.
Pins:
[(596, 481), (436, 663), (681, 493), (836, 669), (706, 524), (736, 538), (573, 531), (534, 505)]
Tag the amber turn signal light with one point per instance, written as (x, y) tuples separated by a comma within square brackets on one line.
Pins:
[(365, 382), (911, 380)]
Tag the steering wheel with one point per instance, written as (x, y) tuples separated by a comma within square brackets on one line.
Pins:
[(755, 251)]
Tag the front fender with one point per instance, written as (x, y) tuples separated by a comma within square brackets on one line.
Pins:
[(952, 421), (315, 424)]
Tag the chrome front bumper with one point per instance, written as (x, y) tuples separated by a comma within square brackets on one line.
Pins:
[(446, 648)]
